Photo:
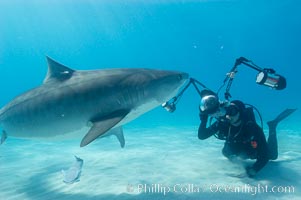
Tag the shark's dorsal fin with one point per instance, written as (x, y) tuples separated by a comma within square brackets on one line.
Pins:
[(57, 71)]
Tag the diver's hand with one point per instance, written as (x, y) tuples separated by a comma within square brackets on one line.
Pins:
[(251, 172), (203, 116)]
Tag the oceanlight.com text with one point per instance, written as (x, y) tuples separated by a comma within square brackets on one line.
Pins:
[(213, 188)]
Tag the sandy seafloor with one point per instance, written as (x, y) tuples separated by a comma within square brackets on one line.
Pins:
[(154, 161), (200, 37)]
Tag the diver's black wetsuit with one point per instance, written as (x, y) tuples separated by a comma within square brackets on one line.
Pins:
[(246, 140)]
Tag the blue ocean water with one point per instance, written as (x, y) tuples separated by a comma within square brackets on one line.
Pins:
[(202, 38)]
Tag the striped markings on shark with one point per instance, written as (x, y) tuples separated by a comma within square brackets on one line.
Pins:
[(102, 100)]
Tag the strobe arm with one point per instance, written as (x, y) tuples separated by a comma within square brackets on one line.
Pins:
[(266, 76), (170, 105)]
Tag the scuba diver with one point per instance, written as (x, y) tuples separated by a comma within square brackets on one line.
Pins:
[(235, 123)]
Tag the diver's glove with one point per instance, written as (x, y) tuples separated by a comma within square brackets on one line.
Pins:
[(251, 172), (203, 116)]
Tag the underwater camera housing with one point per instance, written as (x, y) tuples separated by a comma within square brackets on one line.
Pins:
[(169, 106)]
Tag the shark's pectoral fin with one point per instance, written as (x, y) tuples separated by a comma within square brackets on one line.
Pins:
[(102, 124)]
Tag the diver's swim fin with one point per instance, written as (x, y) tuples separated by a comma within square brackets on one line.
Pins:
[(280, 117)]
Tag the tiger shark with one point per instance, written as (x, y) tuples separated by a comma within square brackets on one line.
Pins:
[(97, 101)]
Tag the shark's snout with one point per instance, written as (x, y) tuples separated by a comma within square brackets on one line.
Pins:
[(183, 76)]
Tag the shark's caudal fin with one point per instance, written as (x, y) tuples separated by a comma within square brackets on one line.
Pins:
[(102, 124), (57, 71)]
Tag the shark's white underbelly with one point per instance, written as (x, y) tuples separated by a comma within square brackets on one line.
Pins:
[(140, 110)]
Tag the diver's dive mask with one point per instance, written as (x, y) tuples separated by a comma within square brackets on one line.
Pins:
[(232, 110), (233, 114)]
